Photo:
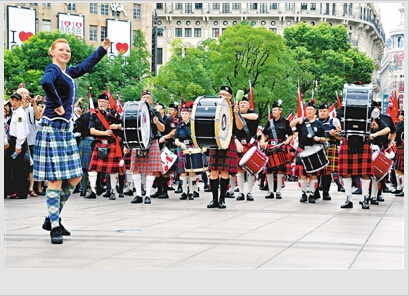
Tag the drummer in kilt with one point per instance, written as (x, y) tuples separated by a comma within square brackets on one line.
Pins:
[(277, 131), (106, 152), (223, 162), (399, 156), (148, 161), (310, 132), (334, 138)]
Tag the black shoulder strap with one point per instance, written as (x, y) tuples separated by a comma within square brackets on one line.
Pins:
[(309, 129), (273, 130), (245, 127)]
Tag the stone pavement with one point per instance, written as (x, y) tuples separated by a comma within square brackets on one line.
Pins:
[(183, 234)]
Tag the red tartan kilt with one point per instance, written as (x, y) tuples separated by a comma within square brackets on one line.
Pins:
[(127, 160), (399, 159), (149, 163), (288, 169), (356, 164), (109, 165), (224, 159)]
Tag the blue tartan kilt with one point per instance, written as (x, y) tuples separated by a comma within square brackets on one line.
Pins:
[(56, 156), (86, 152)]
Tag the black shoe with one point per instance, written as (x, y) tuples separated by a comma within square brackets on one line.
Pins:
[(374, 201), (311, 199), (107, 193), (121, 195), (56, 235), (358, 191), (76, 190), (264, 188), (222, 204), (129, 192), (207, 189), (155, 195), (137, 199), (317, 194), (183, 196), (240, 196), (400, 194), (213, 204), (365, 205), (179, 189), (249, 197), (112, 197), (341, 189), (229, 194), (147, 200), (47, 226), (396, 191), (90, 194), (82, 193), (196, 194), (270, 195), (100, 191), (171, 188), (303, 197), (386, 190), (325, 196), (380, 198), (143, 192), (163, 196), (347, 204), (236, 189), (190, 196), (278, 195)]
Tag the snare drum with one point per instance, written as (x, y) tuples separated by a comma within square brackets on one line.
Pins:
[(276, 158), (167, 158), (195, 160), (381, 164), (136, 124), (253, 161), (211, 122), (314, 158)]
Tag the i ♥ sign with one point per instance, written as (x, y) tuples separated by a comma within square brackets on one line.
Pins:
[(24, 35), (67, 23), (122, 47)]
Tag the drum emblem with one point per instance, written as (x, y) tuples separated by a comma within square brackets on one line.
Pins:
[(143, 118), (224, 122)]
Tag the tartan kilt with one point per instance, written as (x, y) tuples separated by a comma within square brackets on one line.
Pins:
[(109, 165), (399, 158), (288, 169), (149, 163), (127, 161), (332, 155), (86, 152), (56, 155), (356, 164), (224, 159)]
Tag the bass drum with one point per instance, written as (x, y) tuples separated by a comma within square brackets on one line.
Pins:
[(211, 122), (136, 124)]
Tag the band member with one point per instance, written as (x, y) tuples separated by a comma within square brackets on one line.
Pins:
[(148, 161), (355, 159), (277, 134), (310, 132), (399, 155), (106, 152), (245, 138), (173, 111), (334, 138), (223, 162)]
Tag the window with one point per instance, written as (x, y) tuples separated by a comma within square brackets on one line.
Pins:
[(216, 6), (273, 6), (37, 25), (235, 6), (104, 9), (187, 23), (33, 4), (226, 8), (159, 57), (263, 7), (400, 41), (198, 32), (225, 23), (178, 6), (289, 6), (234, 23), (216, 23), (115, 13), (46, 26), (303, 6), (273, 23), (224, 29), (312, 23), (93, 33), (160, 32), (215, 32), (188, 8), (71, 6), (326, 8), (263, 23), (47, 5), (198, 5), (289, 23), (188, 32), (178, 23), (274, 30), (333, 8), (178, 32), (93, 8), (159, 5), (103, 33), (160, 22), (312, 6), (197, 23), (253, 6), (345, 8), (136, 13), (350, 8), (253, 23)]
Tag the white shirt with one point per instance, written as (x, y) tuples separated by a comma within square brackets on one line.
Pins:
[(31, 123), (19, 127)]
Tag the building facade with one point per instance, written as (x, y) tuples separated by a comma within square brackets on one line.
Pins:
[(391, 75)]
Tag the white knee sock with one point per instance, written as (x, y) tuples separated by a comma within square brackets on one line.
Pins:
[(279, 182), (149, 184), (303, 184), (92, 177), (374, 189), (240, 180), (365, 187), (232, 183), (348, 186), (137, 180), (192, 184), (129, 179), (399, 178), (113, 181), (270, 180), (250, 183), (184, 183), (312, 185)]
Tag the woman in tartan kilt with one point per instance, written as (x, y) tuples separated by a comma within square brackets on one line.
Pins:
[(399, 155), (151, 162), (223, 162), (56, 157), (307, 140), (355, 159)]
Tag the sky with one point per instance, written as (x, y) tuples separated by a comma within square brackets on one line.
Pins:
[(390, 16)]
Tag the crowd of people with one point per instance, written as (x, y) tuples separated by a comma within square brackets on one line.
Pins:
[(54, 146)]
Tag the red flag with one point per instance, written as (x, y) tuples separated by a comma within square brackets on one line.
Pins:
[(112, 104), (290, 117), (251, 97), (339, 100), (331, 110), (91, 102), (393, 106), (301, 106)]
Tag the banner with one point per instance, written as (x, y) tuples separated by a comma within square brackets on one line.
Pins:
[(119, 32), (71, 23), (21, 25)]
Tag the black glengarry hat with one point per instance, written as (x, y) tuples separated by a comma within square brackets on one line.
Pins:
[(226, 88)]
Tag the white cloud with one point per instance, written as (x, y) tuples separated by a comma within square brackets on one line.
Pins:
[(390, 16)]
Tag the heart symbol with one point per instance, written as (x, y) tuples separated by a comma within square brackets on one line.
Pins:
[(67, 23), (78, 25), (122, 47), (24, 35)]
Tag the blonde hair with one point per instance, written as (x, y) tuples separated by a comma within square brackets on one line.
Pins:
[(59, 40)]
